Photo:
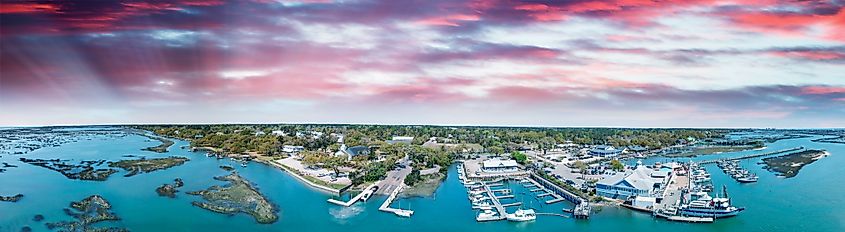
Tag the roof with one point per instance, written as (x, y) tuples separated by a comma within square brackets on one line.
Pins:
[(357, 150), (639, 178), (497, 163)]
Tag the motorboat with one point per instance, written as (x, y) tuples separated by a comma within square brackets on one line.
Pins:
[(522, 215), (486, 215)]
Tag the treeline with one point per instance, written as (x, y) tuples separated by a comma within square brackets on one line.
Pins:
[(239, 138)]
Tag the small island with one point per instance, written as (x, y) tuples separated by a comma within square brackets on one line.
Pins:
[(169, 190), (226, 168), (14, 198), (145, 165), (85, 170), (238, 196), (788, 165), (161, 148), (88, 212)]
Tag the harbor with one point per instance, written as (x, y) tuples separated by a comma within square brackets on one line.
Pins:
[(305, 207)]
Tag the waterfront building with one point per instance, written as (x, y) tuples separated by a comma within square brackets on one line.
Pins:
[(498, 165), (641, 181), (605, 151)]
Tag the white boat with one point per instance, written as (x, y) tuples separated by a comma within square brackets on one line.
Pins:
[(487, 215), (747, 179), (366, 195), (705, 206), (522, 215)]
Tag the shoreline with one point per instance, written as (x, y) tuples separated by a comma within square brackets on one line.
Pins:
[(309, 183)]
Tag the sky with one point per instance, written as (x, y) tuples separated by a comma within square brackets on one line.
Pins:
[(579, 63)]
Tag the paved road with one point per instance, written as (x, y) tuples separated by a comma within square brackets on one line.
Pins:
[(561, 169), (394, 178)]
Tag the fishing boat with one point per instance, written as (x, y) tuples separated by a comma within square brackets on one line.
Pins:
[(522, 215), (706, 206)]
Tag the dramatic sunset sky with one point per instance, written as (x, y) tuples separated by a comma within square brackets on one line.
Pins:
[(630, 63)]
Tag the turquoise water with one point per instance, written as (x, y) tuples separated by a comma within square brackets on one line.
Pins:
[(811, 201)]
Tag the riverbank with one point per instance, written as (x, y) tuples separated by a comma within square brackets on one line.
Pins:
[(425, 188)]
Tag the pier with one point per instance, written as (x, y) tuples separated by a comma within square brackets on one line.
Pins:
[(558, 192), (496, 204), (385, 207), (369, 190), (751, 156)]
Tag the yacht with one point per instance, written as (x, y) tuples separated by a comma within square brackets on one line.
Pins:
[(705, 206), (487, 215), (522, 215)]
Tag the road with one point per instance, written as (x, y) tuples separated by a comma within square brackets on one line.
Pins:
[(394, 178)]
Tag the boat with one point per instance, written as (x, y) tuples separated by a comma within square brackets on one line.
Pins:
[(747, 179), (486, 215), (705, 206), (522, 215), (366, 195)]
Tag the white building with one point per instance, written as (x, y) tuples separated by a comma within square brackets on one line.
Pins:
[(605, 151), (638, 182), (498, 165), (292, 149), (401, 139)]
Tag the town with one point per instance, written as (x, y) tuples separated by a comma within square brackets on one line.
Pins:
[(585, 167)]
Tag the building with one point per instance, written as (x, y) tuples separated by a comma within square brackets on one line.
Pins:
[(401, 139), (292, 149), (498, 165), (641, 181), (605, 151), (351, 152)]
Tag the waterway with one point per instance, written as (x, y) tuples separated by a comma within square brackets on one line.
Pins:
[(811, 201)]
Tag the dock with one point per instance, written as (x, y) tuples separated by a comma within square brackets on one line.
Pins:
[(385, 207), (505, 196), (512, 204), (751, 156), (496, 204), (368, 190)]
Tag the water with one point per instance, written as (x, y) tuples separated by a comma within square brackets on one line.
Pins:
[(811, 201)]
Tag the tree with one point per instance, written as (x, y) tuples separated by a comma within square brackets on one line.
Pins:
[(581, 166), (496, 150), (520, 157), (616, 165), (413, 178)]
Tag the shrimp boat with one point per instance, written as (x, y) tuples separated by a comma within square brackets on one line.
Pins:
[(706, 206), (522, 215)]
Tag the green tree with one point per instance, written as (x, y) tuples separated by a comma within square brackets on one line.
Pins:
[(519, 157), (617, 165)]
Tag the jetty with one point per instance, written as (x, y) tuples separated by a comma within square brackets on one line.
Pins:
[(385, 207), (751, 156), (368, 191)]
